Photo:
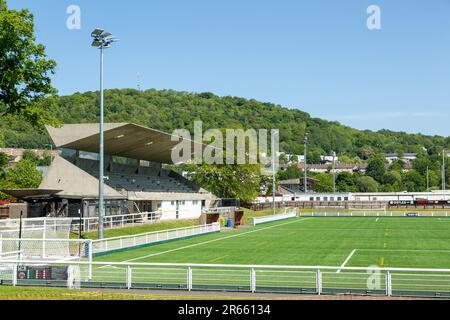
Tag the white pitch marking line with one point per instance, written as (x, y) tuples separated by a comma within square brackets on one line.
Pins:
[(108, 266), (210, 241), (346, 260), (408, 250)]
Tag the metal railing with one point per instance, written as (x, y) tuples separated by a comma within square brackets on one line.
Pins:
[(87, 223), (120, 221), (287, 214), (243, 278), (375, 214), (108, 245)]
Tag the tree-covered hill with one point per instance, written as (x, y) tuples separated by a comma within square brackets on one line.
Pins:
[(168, 110)]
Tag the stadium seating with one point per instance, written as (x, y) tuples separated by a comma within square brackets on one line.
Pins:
[(139, 178)]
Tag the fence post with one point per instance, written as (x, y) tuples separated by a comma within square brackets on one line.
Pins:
[(388, 284), (44, 238), (319, 282), (90, 254), (14, 275), (253, 280), (70, 277), (189, 279), (129, 277)]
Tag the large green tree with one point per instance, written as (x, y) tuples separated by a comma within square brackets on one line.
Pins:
[(228, 181), (4, 158), (25, 70), (23, 175), (367, 184), (376, 168)]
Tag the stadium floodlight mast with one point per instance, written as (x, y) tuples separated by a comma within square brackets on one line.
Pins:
[(273, 172), (305, 171), (334, 172), (443, 174), (101, 40)]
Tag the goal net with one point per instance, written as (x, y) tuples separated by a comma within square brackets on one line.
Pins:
[(40, 239), (36, 228), (15, 249)]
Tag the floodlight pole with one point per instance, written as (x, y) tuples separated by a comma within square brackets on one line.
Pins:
[(273, 174), (443, 174), (102, 40), (305, 171), (334, 172), (101, 208)]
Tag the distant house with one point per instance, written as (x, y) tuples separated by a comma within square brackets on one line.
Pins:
[(328, 159), (340, 167), (293, 157), (391, 157)]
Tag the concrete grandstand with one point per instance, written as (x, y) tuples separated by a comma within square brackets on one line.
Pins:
[(135, 178)]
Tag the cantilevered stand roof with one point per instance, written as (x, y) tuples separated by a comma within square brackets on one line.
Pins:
[(120, 139), (23, 194)]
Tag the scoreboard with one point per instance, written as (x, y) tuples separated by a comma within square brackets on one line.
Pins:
[(41, 273)]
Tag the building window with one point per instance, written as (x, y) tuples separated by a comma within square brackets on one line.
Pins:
[(345, 198), (195, 202), (311, 199), (332, 199), (325, 198), (317, 198), (339, 198), (172, 203)]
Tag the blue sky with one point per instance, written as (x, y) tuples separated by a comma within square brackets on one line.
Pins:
[(315, 55)]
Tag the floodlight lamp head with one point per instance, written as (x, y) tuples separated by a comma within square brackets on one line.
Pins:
[(105, 34), (97, 32), (96, 43)]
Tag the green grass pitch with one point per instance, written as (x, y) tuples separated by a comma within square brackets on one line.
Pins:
[(357, 242)]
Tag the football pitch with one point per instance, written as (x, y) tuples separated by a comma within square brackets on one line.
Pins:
[(333, 241)]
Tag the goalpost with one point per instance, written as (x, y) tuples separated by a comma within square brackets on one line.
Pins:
[(44, 239), (45, 249)]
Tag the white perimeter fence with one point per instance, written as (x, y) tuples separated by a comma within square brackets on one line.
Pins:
[(436, 214), (60, 249), (117, 243), (234, 278), (87, 223), (287, 214), (121, 221)]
